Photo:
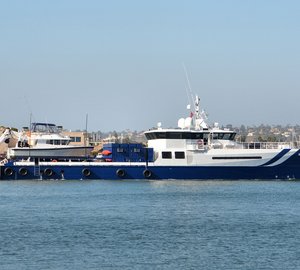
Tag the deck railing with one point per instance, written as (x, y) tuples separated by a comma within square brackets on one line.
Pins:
[(270, 145), (246, 145)]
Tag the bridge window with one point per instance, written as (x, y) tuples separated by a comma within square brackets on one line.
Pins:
[(174, 135), (150, 136), (223, 136), (160, 135), (177, 135), (197, 136)]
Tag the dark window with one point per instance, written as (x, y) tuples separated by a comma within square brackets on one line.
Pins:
[(179, 155), (166, 155), (217, 136), (186, 135), (226, 136), (223, 136), (120, 150), (177, 135), (160, 135), (197, 136), (152, 136), (174, 135), (232, 136)]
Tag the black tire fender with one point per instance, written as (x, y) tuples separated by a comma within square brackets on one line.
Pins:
[(23, 171), (48, 172), (86, 172), (120, 173), (8, 171), (147, 173)]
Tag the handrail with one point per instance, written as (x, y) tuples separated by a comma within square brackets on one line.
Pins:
[(269, 145), (246, 145)]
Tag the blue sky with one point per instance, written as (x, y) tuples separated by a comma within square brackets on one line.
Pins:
[(120, 62)]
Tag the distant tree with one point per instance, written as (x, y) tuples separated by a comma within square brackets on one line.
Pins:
[(271, 138), (243, 138), (116, 137), (261, 139), (126, 139), (243, 129)]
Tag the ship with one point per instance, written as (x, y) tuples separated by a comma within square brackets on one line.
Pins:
[(44, 140), (194, 150)]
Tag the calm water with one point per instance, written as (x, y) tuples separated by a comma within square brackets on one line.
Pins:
[(149, 225)]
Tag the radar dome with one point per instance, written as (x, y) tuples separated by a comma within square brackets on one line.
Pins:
[(188, 122), (181, 123)]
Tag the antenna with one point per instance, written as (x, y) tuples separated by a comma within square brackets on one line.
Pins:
[(29, 134), (189, 89), (86, 134), (27, 104)]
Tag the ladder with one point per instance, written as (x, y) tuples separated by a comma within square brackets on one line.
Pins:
[(36, 170), (37, 167)]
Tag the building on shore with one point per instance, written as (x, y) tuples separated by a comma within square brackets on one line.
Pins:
[(77, 137)]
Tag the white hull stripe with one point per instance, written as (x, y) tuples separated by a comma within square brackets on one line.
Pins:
[(283, 158), (277, 157)]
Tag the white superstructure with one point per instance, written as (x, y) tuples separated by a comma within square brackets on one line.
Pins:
[(195, 143)]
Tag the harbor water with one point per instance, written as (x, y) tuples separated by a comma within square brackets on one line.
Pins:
[(168, 224)]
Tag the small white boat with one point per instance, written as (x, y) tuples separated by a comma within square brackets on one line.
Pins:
[(46, 140)]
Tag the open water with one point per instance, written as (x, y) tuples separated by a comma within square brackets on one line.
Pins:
[(149, 225)]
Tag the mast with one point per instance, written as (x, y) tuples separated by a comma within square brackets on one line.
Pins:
[(86, 135), (200, 117), (197, 107), (29, 134)]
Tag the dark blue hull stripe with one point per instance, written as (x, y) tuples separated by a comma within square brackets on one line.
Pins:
[(277, 157)]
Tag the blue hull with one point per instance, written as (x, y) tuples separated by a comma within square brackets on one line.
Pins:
[(290, 169), (138, 172), (131, 172)]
